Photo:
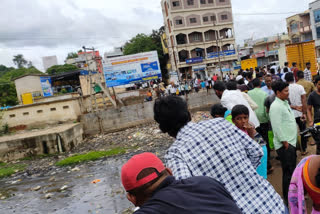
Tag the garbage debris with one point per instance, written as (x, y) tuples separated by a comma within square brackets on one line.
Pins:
[(95, 181)]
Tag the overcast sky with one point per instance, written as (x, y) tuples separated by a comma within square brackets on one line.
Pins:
[(37, 28)]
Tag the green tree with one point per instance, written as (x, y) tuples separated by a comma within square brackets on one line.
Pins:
[(138, 44), (58, 69), (8, 94), (72, 55), (19, 61)]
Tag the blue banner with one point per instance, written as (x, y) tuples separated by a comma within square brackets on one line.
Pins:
[(46, 86), (194, 60), (221, 53)]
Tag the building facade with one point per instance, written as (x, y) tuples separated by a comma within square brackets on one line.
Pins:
[(49, 61), (315, 24), (87, 61), (118, 51), (299, 27), (198, 32)]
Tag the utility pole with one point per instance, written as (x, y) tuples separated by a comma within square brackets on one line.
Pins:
[(217, 43)]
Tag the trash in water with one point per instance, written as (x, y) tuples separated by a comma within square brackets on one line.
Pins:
[(95, 181)]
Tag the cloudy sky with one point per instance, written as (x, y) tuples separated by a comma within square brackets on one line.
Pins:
[(37, 28)]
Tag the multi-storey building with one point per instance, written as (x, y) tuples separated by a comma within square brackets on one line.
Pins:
[(198, 32), (299, 27), (315, 23)]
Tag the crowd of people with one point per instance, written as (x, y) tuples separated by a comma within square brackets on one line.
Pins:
[(221, 165)]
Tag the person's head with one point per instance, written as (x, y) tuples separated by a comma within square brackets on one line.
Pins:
[(219, 87), (279, 70), (300, 75), (294, 64), (249, 76), (286, 64), (308, 65), (218, 110), (257, 70), (317, 83), (251, 69), (281, 89), (289, 77), (268, 80), (247, 70), (256, 83), (232, 85), (141, 175), (272, 71), (285, 70), (171, 113), (240, 116)]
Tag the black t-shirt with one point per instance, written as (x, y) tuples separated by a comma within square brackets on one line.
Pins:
[(314, 101), (195, 195)]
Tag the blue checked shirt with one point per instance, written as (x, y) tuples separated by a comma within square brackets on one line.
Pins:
[(220, 150)]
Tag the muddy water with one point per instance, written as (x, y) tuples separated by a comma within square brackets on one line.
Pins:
[(80, 195)]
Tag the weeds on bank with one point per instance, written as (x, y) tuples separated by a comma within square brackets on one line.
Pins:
[(90, 156), (9, 169)]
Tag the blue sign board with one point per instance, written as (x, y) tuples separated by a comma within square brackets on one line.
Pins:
[(46, 86), (221, 53), (194, 60), (132, 69)]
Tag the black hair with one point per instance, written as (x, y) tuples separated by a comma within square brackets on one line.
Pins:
[(256, 82), (300, 74), (286, 64), (308, 63), (219, 86), (257, 70), (317, 79), (289, 77), (245, 74), (247, 69), (171, 113), (285, 70), (232, 85), (241, 81), (279, 86), (294, 64), (272, 71), (249, 75), (238, 110), (217, 110), (259, 75)]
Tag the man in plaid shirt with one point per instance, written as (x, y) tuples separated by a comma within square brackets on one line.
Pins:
[(307, 72), (217, 149)]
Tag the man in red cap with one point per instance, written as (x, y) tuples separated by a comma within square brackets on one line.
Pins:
[(152, 187)]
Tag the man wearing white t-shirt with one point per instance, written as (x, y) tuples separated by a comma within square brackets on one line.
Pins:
[(298, 100)]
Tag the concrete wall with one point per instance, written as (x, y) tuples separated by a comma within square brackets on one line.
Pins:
[(43, 113), (27, 84), (128, 116), (45, 142)]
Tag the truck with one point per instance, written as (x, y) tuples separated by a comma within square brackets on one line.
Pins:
[(302, 53)]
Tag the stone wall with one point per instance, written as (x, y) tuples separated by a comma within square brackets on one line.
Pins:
[(57, 139), (117, 119)]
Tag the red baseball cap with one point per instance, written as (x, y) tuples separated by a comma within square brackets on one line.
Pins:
[(135, 165)]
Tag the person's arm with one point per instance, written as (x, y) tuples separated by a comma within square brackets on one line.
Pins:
[(304, 106), (174, 160), (253, 149), (309, 114)]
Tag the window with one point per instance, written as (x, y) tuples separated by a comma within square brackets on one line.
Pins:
[(294, 27), (40, 111), (65, 107), (193, 20), (25, 113), (190, 2), (224, 17), (12, 115), (175, 4), (170, 22), (53, 109), (222, 1), (205, 19), (213, 18), (210, 1), (179, 22), (316, 16), (202, 1), (196, 37), (207, 36), (318, 32)]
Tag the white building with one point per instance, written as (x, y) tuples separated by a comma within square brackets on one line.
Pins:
[(315, 23), (118, 51), (49, 61)]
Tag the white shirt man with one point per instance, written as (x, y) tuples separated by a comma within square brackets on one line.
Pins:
[(295, 93), (231, 98), (307, 74)]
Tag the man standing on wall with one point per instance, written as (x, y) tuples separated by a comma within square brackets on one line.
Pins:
[(285, 133)]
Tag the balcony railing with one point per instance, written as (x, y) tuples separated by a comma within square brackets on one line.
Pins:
[(305, 29)]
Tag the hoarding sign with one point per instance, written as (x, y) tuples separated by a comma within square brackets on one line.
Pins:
[(194, 60), (221, 53), (132, 68), (46, 86)]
